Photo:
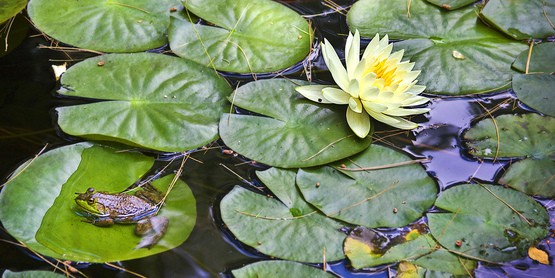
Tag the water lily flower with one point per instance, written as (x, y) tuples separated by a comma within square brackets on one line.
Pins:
[(378, 85)]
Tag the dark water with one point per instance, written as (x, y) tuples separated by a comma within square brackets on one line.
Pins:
[(27, 124)]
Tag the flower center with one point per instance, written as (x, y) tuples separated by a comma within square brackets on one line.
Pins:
[(383, 70)]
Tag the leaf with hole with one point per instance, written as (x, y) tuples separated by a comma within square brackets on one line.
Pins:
[(288, 130), (379, 187), (152, 101), (487, 222), (286, 227), (458, 54), (244, 36)]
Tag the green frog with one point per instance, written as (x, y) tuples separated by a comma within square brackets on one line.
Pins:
[(104, 209)]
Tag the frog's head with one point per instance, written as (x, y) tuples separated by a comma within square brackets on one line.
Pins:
[(87, 202)]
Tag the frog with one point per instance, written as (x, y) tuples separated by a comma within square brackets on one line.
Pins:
[(105, 209)]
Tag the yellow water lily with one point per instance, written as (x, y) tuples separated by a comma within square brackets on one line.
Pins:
[(378, 85)]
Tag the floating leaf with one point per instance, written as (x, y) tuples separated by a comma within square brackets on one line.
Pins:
[(288, 228), (451, 4), (31, 274), (37, 207), (431, 35), (538, 255), (536, 91), (249, 36), (278, 269), (522, 19), (9, 8), (392, 192), (487, 222), (531, 176), (541, 59), (109, 26), (156, 101), (528, 135), (422, 250), (292, 131)]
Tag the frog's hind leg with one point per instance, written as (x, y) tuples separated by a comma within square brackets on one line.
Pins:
[(149, 193)]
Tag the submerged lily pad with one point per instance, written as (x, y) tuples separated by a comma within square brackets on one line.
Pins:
[(522, 19), (541, 59), (379, 187), (530, 137), (488, 222), (451, 4), (291, 131), (155, 101), (9, 8), (249, 36), (363, 250), (31, 274), (536, 91), (12, 36), (109, 26), (288, 228), (37, 207), (278, 269), (457, 53)]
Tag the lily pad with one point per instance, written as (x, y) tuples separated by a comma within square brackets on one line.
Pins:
[(155, 101), (488, 222), (541, 59), (31, 274), (278, 269), (522, 19), (528, 135), (247, 36), (457, 53), (379, 187), (37, 207), (109, 26), (531, 176), (9, 8), (288, 228), (419, 249), (536, 91), (451, 4), (290, 131)]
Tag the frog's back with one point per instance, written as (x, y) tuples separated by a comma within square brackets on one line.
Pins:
[(123, 206)]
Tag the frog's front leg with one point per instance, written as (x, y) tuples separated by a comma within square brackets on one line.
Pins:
[(103, 222)]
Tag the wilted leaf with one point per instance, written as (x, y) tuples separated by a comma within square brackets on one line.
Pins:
[(538, 255)]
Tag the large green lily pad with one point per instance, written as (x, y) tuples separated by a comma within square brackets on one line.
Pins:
[(248, 36), (451, 4), (279, 269), (522, 19), (288, 228), (388, 194), (37, 207), (155, 101), (530, 137), (457, 53), (9, 8), (536, 91), (488, 222), (291, 131), (361, 247), (109, 26), (541, 59)]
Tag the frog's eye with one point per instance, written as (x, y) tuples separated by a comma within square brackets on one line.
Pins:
[(90, 190), (90, 201)]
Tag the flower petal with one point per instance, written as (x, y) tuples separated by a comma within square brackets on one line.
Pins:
[(355, 105), (359, 123), (335, 66), (369, 93), (337, 96), (313, 92), (405, 111), (376, 107), (353, 88), (394, 121), (372, 48), (352, 53)]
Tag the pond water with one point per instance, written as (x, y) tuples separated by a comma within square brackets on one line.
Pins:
[(27, 124)]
